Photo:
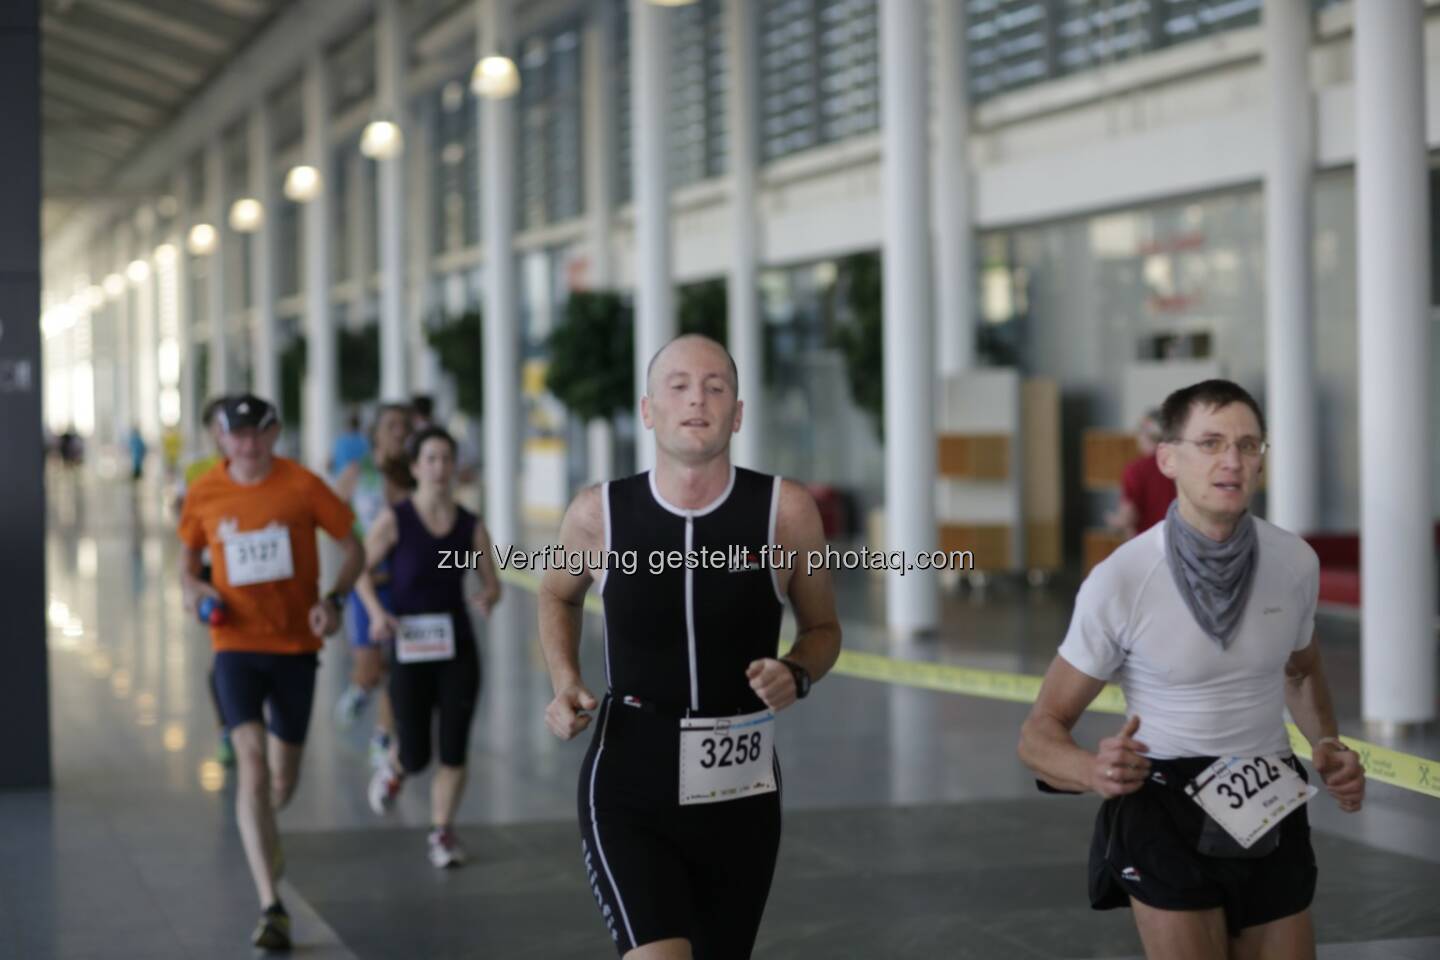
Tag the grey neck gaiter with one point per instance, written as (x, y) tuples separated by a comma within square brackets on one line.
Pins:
[(1214, 578)]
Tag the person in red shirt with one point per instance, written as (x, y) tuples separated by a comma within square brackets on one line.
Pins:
[(258, 514), (1145, 492)]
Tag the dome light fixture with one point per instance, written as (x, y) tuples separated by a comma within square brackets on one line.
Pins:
[(302, 183), (138, 271), (165, 255), (381, 140), (247, 215), (114, 285), (495, 78), (202, 240)]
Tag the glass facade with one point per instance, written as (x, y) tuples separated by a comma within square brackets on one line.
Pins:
[(456, 175), (699, 82), (814, 430), (1014, 43), (550, 171), (819, 73)]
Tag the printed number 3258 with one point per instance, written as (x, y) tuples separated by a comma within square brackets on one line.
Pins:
[(730, 751)]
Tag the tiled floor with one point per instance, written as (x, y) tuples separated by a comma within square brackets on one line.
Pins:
[(911, 830)]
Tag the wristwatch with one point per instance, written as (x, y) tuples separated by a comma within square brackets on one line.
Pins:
[(336, 599), (802, 679)]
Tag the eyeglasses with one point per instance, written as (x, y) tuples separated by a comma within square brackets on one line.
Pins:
[(1249, 447)]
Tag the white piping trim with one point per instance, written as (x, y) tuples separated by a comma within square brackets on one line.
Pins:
[(774, 562), (702, 511), (690, 610), (595, 827), (604, 573), (605, 513)]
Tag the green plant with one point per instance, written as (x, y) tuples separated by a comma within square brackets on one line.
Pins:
[(460, 348), (292, 376), (704, 308), (592, 356), (359, 358), (859, 333)]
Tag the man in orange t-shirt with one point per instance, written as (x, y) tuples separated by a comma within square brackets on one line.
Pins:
[(258, 515)]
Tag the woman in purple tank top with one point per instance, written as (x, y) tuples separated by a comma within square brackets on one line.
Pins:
[(429, 542)]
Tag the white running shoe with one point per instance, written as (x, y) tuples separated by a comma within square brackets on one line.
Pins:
[(350, 706), (445, 850), (380, 750), (384, 788)]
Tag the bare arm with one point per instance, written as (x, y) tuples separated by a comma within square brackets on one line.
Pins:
[(1307, 696), (192, 588), (817, 641), (1048, 748), (812, 598), (347, 481), (562, 605), (352, 566), (1124, 518), (379, 541), (485, 569)]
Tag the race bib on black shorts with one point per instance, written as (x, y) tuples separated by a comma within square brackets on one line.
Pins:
[(1249, 796), (425, 637), (726, 758)]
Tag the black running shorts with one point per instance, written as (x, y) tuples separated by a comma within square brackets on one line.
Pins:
[(661, 871), (1144, 847)]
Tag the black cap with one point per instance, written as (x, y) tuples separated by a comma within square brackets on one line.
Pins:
[(246, 410)]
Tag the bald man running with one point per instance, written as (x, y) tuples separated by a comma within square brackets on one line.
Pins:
[(679, 796)]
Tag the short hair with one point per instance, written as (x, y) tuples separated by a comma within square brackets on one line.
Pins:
[(401, 408), (734, 372), (1214, 394), (419, 438), (211, 409), (423, 405)]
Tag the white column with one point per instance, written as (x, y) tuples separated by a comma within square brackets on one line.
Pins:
[(655, 322), (745, 324), (598, 108), (360, 224), (124, 339), (215, 213), (145, 325), (190, 426), (265, 361), (390, 63), (912, 601), (319, 408), (424, 362), (1290, 401), (954, 251), (501, 326), (1397, 399)]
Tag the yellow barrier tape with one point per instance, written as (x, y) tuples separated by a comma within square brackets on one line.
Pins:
[(1382, 764)]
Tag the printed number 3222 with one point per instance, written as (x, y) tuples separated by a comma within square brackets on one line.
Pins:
[(1260, 770)]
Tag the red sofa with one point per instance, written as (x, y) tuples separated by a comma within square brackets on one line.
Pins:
[(1340, 565)]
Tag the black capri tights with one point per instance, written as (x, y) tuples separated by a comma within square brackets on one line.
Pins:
[(420, 691)]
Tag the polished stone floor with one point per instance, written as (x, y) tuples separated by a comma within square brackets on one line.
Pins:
[(910, 828)]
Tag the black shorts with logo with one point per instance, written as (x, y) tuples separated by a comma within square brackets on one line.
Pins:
[(1145, 846), (661, 871)]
